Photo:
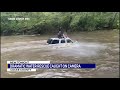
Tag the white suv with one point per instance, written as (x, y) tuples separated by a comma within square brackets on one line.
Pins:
[(59, 40)]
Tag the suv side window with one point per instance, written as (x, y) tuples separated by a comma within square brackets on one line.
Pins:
[(69, 41), (62, 41), (55, 41)]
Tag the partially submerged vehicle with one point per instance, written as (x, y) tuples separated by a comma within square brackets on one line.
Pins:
[(59, 41)]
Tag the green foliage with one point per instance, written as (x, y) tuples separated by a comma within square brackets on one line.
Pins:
[(49, 22)]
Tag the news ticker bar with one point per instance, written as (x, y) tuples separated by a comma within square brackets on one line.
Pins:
[(52, 66), (28, 66)]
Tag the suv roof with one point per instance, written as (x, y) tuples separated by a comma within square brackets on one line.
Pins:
[(58, 40)]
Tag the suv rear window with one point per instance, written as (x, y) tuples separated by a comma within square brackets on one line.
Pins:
[(55, 41), (49, 41)]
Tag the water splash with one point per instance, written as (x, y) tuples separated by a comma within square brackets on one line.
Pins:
[(81, 49)]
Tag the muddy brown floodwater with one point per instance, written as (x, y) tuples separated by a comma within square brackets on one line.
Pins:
[(99, 47)]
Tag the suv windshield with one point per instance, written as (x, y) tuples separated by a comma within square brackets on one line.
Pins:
[(69, 41)]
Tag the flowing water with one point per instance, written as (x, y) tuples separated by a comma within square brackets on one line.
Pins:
[(99, 47)]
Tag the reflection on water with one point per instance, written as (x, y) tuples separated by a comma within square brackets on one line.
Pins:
[(100, 47)]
